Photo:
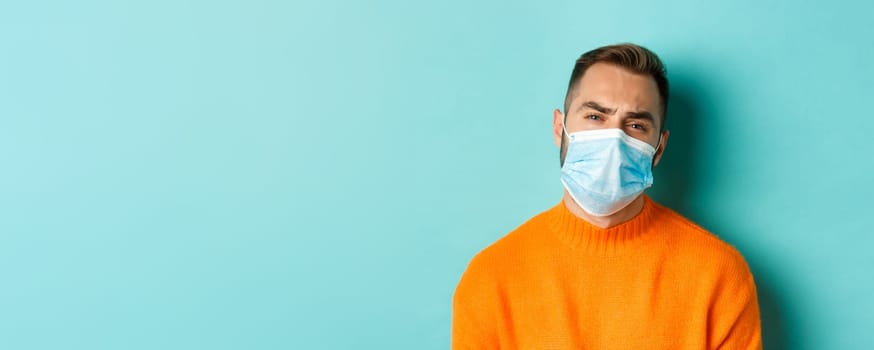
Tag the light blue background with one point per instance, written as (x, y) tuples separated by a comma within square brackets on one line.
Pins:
[(316, 175)]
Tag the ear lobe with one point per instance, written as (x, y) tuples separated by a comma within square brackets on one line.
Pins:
[(557, 120)]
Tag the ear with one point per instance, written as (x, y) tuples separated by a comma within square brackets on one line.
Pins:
[(557, 119), (662, 145)]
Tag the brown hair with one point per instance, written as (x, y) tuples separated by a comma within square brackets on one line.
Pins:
[(634, 58)]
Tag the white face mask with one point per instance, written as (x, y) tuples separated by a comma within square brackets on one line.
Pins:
[(605, 169)]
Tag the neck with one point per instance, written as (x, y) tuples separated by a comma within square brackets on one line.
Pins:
[(623, 215)]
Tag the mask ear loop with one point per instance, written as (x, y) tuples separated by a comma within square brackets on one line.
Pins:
[(657, 148)]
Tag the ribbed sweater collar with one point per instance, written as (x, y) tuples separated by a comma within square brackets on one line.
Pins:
[(581, 235)]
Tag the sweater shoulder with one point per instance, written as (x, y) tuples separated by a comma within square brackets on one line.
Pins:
[(508, 249), (695, 242)]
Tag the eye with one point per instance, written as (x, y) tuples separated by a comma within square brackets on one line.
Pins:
[(638, 126), (593, 117)]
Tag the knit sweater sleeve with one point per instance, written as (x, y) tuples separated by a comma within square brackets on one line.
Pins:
[(734, 317), (474, 310)]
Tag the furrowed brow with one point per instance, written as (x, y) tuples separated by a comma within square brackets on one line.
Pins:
[(644, 115), (594, 105)]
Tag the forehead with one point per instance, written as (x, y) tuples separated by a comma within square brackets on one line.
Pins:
[(617, 87)]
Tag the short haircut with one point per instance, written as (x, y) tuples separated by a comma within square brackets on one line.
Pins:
[(635, 58)]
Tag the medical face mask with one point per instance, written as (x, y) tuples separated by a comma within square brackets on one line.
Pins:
[(605, 169)]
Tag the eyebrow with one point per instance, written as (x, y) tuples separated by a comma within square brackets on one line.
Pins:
[(606, 110), (594, 105), (643, 115)]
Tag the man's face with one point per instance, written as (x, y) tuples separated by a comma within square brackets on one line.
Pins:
[(608, 96)]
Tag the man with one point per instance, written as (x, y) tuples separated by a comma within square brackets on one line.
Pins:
[(607, 267)]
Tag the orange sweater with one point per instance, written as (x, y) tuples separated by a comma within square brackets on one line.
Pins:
[(657, 281)]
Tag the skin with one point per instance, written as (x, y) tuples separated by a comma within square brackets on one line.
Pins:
[(608, 96)]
